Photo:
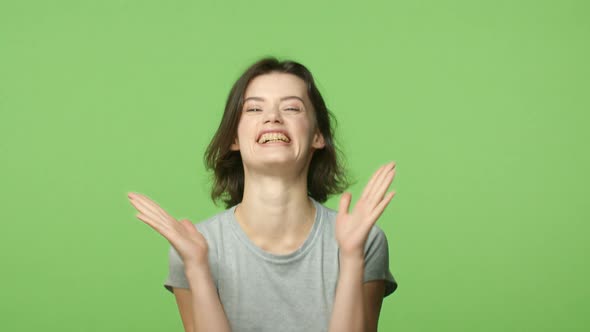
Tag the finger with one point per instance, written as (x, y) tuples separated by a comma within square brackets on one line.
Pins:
[(368, 188), (142, 202), (381, 187), (153, 204), (144, 209), (162, 222), (156, 226), (147, 206), (381, 207), (376, 180), (188, 225), (379, 182), (345, 203)]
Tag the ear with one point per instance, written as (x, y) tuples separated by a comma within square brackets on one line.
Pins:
[(318, 140), (235, 146)]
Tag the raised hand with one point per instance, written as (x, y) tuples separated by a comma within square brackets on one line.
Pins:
[(352, 229), (186, 239)]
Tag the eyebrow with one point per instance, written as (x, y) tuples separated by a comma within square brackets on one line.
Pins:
[(283, 98)]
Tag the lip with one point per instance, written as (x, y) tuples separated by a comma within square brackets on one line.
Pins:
[(273, 131)]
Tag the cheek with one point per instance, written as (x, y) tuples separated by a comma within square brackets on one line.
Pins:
[(306, 127), (240, 128), (239, 131), (243, 131)]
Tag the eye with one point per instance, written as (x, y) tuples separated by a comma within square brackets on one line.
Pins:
[(292, 109), (253, 110)]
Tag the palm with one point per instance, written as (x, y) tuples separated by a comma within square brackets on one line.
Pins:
[(188, 242), (352, 228)]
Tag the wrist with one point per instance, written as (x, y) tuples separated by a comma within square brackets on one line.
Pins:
[(352, 263), (197, 271), (352, 257)]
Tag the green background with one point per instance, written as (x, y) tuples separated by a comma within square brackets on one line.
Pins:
[(483, 105)]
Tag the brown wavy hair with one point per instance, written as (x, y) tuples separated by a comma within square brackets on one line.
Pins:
[(326, 175)]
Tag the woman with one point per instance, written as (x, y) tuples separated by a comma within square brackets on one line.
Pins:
[(276, 259)]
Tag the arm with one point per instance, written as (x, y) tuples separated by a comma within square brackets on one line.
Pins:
[(356, 305), (373, 292), (207, 311), (183, 301), (212, 318), (348, 311)]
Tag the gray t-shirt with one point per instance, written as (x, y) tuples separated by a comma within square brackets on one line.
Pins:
[(262, 292)]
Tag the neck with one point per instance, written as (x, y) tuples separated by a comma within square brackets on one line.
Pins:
[(276, 212)]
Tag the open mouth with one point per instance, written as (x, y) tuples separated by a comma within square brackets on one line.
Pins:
[(272, 137)]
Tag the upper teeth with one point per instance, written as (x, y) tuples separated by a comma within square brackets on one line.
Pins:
[(273, 137)]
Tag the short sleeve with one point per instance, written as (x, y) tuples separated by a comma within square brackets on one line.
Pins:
[(377, 260), (176, 276)]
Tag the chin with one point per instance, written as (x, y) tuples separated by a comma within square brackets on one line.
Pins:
[(282, 163), (278, 160)]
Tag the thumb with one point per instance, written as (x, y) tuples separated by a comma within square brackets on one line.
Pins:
[(188, 225), (345, 202)]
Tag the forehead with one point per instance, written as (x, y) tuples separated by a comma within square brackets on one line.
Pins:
[(276, 85)]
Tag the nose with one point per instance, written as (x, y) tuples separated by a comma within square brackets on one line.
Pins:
[(273, 115)]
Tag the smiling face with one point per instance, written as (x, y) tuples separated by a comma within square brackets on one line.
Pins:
[(277, 126)]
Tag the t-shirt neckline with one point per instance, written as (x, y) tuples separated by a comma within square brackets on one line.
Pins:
[(276, 258)]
